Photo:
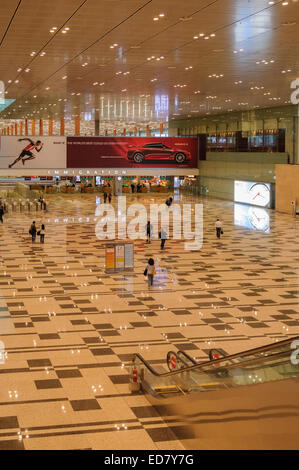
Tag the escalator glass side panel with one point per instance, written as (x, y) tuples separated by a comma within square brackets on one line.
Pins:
[(273, 364)]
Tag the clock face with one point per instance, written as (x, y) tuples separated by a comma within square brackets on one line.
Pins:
[(259, 218), (259, 194)]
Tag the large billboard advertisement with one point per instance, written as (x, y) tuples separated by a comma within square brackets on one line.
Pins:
[(253, 193), (32, 152), (39, 152), (132, 152)]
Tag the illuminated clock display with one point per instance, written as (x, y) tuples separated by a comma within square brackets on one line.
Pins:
[(259, 194)]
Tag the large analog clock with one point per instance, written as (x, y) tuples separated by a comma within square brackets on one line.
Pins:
[(259, 194), (259, 218)]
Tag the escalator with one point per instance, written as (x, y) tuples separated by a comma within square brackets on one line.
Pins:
[(248, 400)]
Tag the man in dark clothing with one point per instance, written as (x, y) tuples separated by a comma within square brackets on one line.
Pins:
[(32, 231), (1, 212), (105, 197)]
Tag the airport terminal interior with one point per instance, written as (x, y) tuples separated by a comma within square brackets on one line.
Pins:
[(164, 107)]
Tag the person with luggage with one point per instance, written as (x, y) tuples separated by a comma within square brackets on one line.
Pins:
[(218, 226), (150, 271)]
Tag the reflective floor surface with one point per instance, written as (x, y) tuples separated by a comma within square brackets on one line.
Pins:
[(70, 330)]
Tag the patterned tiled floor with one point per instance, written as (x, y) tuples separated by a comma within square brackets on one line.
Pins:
[(70, 329)]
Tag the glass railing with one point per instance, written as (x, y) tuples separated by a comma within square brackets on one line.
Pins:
[(277, 361)]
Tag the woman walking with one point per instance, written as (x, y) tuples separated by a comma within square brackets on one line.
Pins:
[(42, 233), (150, 272)]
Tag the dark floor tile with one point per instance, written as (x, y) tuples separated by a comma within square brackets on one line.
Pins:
[(144, 411), (68, 373), (102, 352), (91, 340), (109, 333), (139, 324), (39, 362), (181, 312), (185, 346), (45, 384), (49, 336), (85, 405), (9, 422), (174, 335), (12, 445), (162, 434), (120, 379), (103, 326)]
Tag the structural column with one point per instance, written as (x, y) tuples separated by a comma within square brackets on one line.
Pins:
[(41, 127), (26, 126), (50, 126), (62, 126), (77, 126), (97, 123)]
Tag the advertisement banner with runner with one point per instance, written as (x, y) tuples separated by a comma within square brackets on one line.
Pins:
[(32, 152), (132, 152)]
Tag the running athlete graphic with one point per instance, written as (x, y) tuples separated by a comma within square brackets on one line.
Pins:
[(27, 151)]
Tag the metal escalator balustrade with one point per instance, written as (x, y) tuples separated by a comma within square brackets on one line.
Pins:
[(259, 365)]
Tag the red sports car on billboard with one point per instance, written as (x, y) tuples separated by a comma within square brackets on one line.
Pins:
[(156, 151)]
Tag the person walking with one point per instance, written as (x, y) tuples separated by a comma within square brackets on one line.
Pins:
[(41, 233), (163, 236), (218, 226), (133, 187), (110, 198), (149, 231), (105, 197), (150, 271), (1, 212), (32, 231)]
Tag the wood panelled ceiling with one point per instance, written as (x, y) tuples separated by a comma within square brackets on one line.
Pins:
[(246, 58)]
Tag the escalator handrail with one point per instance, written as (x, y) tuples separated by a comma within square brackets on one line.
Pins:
[(183, 353), (248, 352)]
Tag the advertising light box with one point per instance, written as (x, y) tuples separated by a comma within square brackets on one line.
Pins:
[(257, 194), (132, 152), (32, 152)]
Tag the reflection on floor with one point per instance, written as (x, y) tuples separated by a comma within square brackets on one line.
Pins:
[(69, 329)]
